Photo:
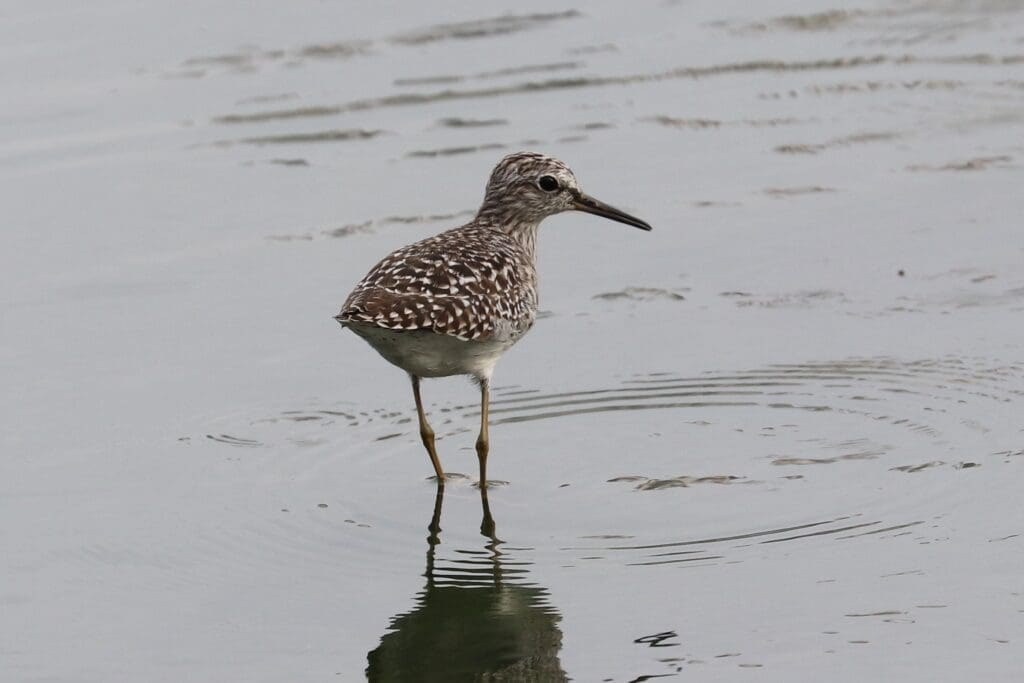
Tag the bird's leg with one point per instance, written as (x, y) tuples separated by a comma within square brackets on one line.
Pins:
[(483, 442), (426, 433)]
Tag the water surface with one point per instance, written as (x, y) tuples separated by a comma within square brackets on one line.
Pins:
[(781, 433)]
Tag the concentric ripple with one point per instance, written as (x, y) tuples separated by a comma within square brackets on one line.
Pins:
[(741, 439), (817, 387), (836, 438)]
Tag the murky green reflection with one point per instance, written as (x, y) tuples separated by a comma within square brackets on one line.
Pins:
[(477, 618)]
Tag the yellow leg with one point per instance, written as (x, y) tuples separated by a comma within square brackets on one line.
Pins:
[(426, 433), (483, 442)]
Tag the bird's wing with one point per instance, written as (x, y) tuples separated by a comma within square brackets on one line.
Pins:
[(459, 283)]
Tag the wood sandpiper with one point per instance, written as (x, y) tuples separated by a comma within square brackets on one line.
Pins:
[(452, 304)]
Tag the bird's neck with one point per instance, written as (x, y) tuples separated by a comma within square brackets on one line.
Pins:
[(526, 235), (521, 228)]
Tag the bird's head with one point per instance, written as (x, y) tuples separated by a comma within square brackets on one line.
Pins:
[(527, 187)]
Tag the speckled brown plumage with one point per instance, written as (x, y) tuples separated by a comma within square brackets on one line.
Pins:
[(474, 283)]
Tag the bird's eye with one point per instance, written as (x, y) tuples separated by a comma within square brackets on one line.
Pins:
[(547, 183)]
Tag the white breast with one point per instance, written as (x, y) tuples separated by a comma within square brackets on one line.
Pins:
[(428, 354)]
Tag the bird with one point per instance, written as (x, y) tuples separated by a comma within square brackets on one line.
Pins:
[(454, 303)]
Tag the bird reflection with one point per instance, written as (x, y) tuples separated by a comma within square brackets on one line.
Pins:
[(477, 618)]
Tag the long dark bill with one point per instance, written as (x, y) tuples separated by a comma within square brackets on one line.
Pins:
[(582, 202)]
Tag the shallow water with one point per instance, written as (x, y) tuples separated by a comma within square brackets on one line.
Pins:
[(782, 432)]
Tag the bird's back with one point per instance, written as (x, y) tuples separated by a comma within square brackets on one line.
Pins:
[(475, 283)]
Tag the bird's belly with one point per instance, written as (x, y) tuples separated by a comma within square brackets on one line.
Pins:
[(429, 354)]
